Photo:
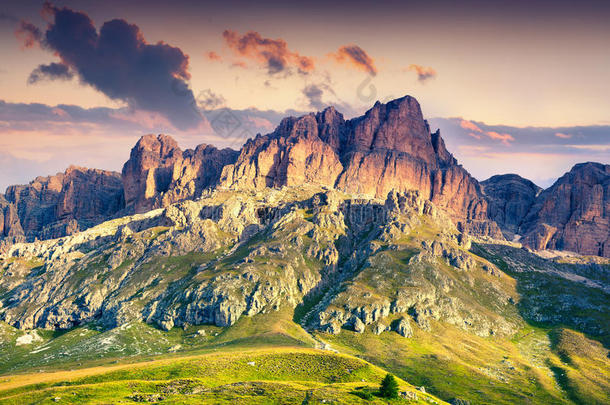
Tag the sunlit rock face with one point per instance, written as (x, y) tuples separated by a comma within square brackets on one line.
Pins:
[(159, 173), (389, 148), (59, 205)]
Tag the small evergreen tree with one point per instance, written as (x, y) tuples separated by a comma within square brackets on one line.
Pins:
[(389, 387)]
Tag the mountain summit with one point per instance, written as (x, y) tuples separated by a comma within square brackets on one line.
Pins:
[(390, 148)]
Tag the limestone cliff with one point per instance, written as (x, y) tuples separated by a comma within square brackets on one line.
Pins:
[(60, 205), (389, 148), (159, 173), (573, 214)]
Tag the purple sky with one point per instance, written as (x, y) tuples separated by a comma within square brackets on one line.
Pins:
[(526, 82)]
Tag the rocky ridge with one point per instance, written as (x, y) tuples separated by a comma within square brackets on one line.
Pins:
[(158, 173), (63, 204), (390, 148), (573, 214), (224, 256), (510, 199)]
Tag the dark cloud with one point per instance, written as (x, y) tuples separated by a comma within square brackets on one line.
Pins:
[(50, 72), (423, 73), (209, 100), (314, 93), (357, 57), (273, 54), (120, 63)]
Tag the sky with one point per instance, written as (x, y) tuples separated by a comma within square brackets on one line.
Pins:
[(514, 86)]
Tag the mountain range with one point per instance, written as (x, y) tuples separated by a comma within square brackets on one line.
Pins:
[(389, 148)]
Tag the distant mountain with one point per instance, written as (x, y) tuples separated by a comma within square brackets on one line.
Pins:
[(59, 205), (573, 214), (510, 199)]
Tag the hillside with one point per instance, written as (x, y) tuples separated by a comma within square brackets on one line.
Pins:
[(391, 281)]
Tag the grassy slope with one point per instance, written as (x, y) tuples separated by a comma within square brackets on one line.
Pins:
[(537, 366), (277, 375)]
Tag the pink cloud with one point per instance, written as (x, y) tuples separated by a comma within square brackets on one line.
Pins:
[(28, 34), (470, 126), (60, 112), (477, 132), (261, 123), (271, 53), (562, 135), (423, 73), (505, 138), (211, 55), (146, 119), (355, 56)]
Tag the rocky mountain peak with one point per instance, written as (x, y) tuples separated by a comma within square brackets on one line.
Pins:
[(163, 145), (573, 214), (398, 125), (60, 205), (159, 173), (389, 148), (510, 199)]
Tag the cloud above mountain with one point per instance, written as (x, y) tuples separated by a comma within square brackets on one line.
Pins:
[(423, 73), (356, 57), (539, 153), (28, 34), (272, 54), (476, 132), (52, 71), (43, 139), (118, 62)]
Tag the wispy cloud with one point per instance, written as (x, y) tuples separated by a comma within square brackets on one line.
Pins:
[(52, 71), (423, 73), (357, 57), (476, 132), (470, 126), (536, 153), (504, 138), (28, 34), (273, 54), (562, 135), (208, 100), (314, 93), (213, 56)]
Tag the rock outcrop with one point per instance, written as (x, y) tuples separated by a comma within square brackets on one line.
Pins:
[(510, 199), (59, 205), (158, 173), (229, 255), (573, 214), (389, 148)]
